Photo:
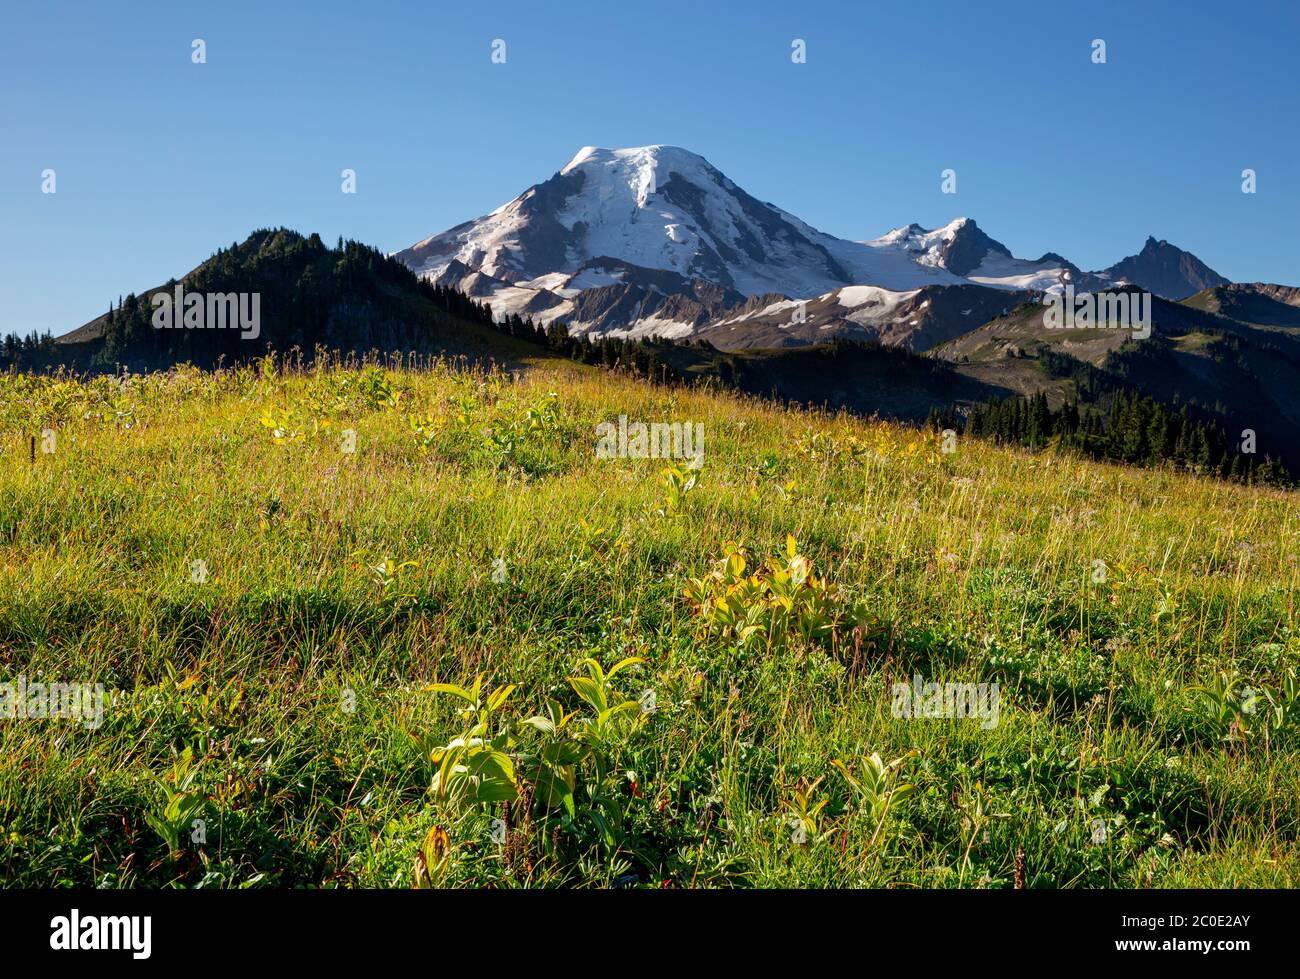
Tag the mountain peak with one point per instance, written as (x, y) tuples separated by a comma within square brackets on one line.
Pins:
[(639, 171), (656, 155), (917, 231), (1166, 270), (967, 247), (655, 207)]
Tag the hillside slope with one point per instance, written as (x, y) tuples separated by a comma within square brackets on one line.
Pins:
[(271, 603), (1260, 303), (348, 298), (1243, 375)]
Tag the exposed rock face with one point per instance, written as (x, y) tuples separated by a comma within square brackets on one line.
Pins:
[(1166, 270)]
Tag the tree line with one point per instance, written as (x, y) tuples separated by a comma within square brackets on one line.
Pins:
[(1130, 428), (34, 352)]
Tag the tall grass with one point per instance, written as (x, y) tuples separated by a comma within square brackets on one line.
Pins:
[(474, 532)]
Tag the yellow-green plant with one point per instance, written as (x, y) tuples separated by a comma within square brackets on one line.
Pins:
[(805, 814), (389, 577), (677, 483), (1237, 712), (876, 786), (1283, 706), (583, 750), (506, 436), (375, 389), (476, 767), (426, 429), (432, 859), (603, 733), (554, 765), (281, 424), (181, 804), (781, 600)]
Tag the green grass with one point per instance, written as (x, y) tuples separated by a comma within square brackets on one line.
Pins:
[(300, 677)]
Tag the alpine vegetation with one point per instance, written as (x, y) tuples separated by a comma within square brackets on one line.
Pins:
[(469, 653)]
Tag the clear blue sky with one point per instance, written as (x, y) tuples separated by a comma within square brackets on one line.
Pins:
[(160, 161)]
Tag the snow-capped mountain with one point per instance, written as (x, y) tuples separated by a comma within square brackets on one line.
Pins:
[(654, 207), (656, 240)]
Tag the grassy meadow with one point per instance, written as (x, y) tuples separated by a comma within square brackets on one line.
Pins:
[(364, 626)]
